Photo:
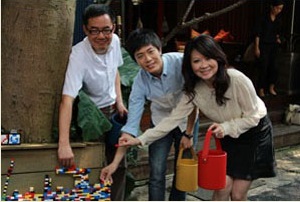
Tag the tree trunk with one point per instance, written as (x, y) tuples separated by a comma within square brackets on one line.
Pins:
[(36, 41)]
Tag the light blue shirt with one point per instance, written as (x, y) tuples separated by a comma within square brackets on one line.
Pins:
[(164, 93)]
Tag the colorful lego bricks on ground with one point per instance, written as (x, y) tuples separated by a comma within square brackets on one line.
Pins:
[(9, 172), (82, 191)]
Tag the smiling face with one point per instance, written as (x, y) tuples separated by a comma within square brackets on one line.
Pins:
[(97, 31), (149, 58), (203, 67)]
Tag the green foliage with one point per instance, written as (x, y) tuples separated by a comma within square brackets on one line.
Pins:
[(91, 120), (132, 155), (127, 73), (128, 70), (130, 184)]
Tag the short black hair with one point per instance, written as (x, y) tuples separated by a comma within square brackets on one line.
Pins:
[(140, 38), (277, 2), (95, 10)]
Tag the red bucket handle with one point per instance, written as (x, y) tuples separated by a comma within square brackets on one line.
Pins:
[(207, 144)]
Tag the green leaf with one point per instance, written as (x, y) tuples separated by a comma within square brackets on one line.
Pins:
[(128, 70), (91, 120)]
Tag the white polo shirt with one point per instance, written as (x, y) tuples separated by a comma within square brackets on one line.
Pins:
[(95, 74)]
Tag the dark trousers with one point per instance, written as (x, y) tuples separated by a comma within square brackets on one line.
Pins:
[(268, 71), (119, 177)]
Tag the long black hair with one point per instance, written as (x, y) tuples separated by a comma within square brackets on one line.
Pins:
[(209, 48)]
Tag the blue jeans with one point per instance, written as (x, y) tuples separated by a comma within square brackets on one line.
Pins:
[(158, 154)]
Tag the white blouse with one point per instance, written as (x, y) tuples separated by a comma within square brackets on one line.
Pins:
[(242, 111)]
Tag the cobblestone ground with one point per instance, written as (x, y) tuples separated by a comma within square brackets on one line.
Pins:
[(284, 187)]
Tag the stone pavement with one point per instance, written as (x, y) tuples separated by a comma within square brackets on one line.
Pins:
[(284, 187)]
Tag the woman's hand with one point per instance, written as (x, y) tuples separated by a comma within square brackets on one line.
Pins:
[(217, 129), (128, 140)]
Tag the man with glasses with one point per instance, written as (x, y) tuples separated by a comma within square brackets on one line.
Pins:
[(93, 68)]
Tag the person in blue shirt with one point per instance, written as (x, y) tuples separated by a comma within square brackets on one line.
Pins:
[(159, 81)]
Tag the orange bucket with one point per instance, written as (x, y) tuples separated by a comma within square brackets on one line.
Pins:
[(212, 165), (187, 172)]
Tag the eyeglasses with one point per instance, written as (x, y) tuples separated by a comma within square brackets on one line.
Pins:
[(105, 31)]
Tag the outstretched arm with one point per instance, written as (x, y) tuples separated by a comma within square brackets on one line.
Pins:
[(106, 172), (182, 110), (119, 100), (65, 153), (128, 141)]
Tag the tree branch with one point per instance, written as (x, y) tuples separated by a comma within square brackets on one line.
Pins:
[(187, 11), (108, 2), (206, 16)]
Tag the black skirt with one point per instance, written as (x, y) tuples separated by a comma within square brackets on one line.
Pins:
[(251, 155)]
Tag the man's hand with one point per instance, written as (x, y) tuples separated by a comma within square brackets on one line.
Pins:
[(65, 156), (121, 109), (186, 142), (106, 172)]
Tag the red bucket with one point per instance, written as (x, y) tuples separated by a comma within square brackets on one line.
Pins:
[(212, 165)]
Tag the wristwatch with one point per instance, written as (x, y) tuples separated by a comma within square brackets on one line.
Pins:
[(190, 136)]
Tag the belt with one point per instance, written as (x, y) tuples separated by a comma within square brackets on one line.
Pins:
[(108, 111)]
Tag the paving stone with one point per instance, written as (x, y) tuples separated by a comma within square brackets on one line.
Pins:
[(289, 192), (283, 187)]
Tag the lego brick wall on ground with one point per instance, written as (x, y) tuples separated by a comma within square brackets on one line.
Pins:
[(33, 162)]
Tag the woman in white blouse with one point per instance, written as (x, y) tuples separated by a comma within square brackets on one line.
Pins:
[(228, 98)]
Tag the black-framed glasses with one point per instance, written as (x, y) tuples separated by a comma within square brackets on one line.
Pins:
[(105, 31)]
